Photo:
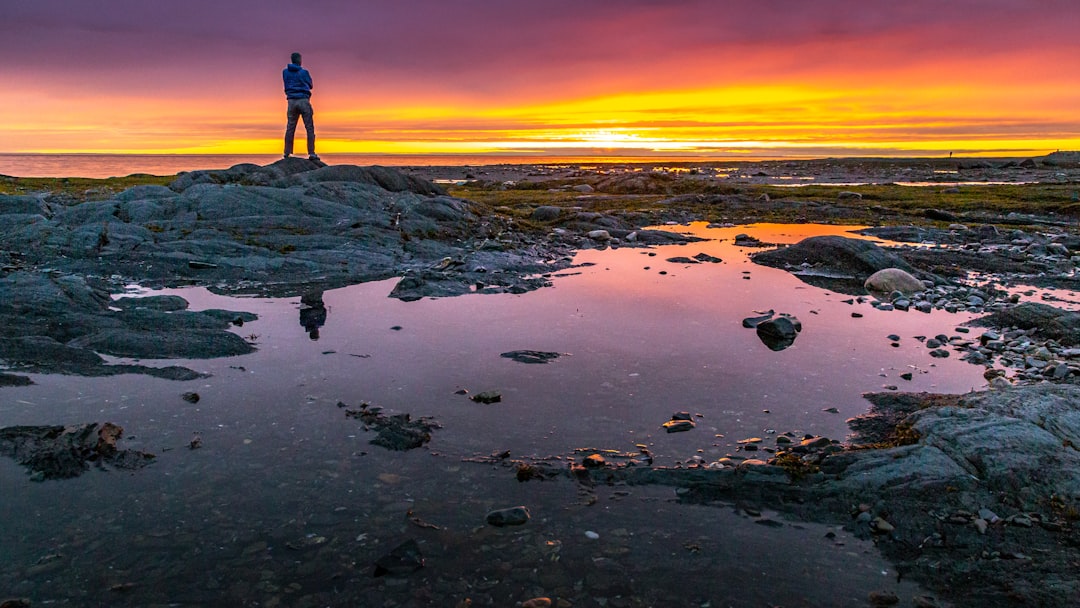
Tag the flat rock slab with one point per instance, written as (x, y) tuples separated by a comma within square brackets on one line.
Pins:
[(531, 356), (397, 432)]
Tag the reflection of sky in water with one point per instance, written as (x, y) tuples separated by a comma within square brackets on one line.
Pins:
[(640, 345)]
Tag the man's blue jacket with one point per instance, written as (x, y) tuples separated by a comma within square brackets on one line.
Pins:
[(297, 82)]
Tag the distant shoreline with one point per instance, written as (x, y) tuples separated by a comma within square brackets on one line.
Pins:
[(96, 166)]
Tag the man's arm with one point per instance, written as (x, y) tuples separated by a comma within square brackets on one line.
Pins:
[(308, 78)]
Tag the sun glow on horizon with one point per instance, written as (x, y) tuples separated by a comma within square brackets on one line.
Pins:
[(766, 120)]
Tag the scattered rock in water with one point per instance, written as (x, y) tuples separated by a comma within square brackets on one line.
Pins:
[(745, 240), (487, 397), (14, 380), (752, 322), (191, 397), (63, 452), (531, 356), (404, 559), (594, 461), (704, 257), (512, 516), (682, 260), (680, 422), (778, 333), (398, 432)]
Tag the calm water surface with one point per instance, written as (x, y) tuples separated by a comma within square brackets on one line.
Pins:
[(287, 503)]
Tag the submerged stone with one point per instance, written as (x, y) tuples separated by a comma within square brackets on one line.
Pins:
[(513, 516), (531, 356), (405, 558)]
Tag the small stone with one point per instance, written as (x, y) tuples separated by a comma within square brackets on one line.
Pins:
[(191, 397), (487, 397), (513, 516), (594, 461), (537, 602), (599, 235), (924, 601), (831, 410), (980, 525), (881, 526), (591, 535), (678, 426)]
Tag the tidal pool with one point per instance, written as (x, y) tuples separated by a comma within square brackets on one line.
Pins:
[(287, 504)]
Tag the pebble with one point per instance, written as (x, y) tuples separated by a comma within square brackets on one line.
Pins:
[(513, 516), (881, 526), (537, 602), (980, 525), (591, 535)]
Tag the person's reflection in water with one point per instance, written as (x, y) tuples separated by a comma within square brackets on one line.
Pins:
[(312, 313)]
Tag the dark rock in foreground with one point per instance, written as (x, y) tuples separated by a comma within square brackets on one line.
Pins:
[(63, 452)]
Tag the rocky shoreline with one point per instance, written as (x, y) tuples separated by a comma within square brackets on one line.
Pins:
[(974, 496)]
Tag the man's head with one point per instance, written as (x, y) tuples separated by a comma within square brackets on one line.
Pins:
[(296, 58)]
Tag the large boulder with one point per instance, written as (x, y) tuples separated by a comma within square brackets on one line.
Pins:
[(836, 262), (856, 257), (893, 279)]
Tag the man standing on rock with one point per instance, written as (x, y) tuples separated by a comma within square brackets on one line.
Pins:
[(298, 91)]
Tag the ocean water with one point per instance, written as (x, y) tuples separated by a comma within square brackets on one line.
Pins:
[(119, 165)]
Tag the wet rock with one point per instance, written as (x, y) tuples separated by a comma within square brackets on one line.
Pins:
[(678, 426), (404, 559), (14, 380), (704, 257), (63, 452), (752, 322), (487, 397), (161, 303), (594, 461), (537, 602), (398, 432), (779, 333), (190, 397), (512, 516), (531, 356)]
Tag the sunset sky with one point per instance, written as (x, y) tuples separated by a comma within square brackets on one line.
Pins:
[(660, 77)]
